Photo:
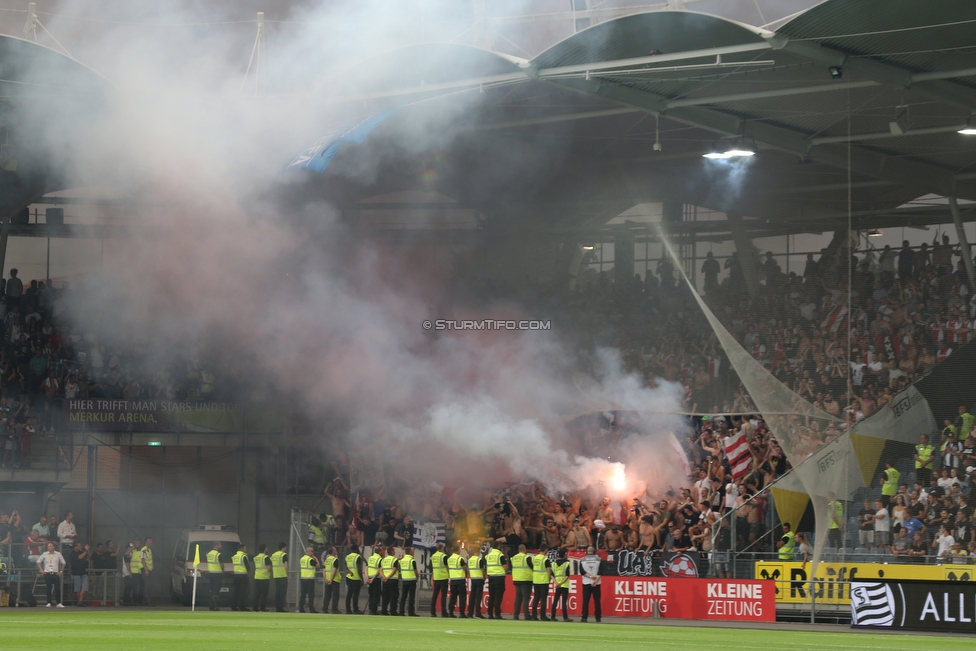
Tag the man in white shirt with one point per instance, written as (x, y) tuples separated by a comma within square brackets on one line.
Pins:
[(882, 526), (67, 533), (945, 541), (51, 564)]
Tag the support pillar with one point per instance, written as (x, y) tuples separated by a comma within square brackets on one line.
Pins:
[(967, 255), (748, 256), (623, 261)]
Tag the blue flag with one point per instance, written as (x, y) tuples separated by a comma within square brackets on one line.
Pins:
[(320, 154)]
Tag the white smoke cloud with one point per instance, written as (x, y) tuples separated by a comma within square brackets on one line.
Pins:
[(227, 258)]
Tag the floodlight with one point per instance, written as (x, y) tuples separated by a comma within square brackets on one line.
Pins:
[(836, 72)]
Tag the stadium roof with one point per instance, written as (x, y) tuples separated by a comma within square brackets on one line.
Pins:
[(879, 87)]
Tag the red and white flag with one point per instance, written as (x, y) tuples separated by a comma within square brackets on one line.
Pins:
[(834, 319), (737, 451)]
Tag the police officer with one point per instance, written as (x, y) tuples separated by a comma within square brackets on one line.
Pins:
[(457, 573), (522, 578), (306, 579), (262, 578), (330, 572), (215, 572), (560, 576), (439, 579), (408, 582), (496, 567), (354, 580), (279, 569), (373, 580), (476, 572), (390, 577), (786, 544), (241, 564), (541, 577)]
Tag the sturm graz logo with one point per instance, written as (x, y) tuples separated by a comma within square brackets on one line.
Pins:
[(875, 604)]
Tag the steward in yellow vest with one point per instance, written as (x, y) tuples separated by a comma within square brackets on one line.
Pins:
[(924, 461), (439, 576), (457, 572), (495, 568), (390, 573), (476, 571), (560, 577), (330, 572), (373, 580), (408, 583), (541, 576), (354, 580), (279, 569), (306, 576), (215, 572), (240, 561), (262, 578), (522, 578), (786, 544)]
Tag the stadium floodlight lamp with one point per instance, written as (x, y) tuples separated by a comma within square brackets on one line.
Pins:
[(875, 233), (836, 72), (969, 129), (587, 247), (737, 149)]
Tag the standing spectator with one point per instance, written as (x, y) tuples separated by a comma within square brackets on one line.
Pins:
[(67, 532), (865, 518), (15, 290), (32, 546), (147, 566), (51, 564), (906, 262), (79, 571), (42, 527), (944, 541), (882, 526), (51, 387), (403, 534)]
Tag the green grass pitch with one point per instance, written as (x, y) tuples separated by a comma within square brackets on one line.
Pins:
[(107, 630)]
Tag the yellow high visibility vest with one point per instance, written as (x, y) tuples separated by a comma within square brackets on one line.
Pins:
[(238, 561), (786, 551), (135, 561), (213, 562), (147, 558), (838, 517), (307, 566), (389, 566), (330, 567), (560, 572), (278, 568), (925, 453), (494, 562), (261, 571), (373, 565), (408, 571), (318, 537), (521, 572), (474, 567), (454, 569), (437, 564), (540, 575), (352, 567), (890, 486)]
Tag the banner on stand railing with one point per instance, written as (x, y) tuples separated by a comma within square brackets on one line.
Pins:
[(943, 606)]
